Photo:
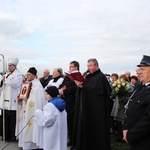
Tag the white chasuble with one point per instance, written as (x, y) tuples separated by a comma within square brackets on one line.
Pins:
[(30, 137)]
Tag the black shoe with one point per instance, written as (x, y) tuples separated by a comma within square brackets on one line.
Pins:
[(120, 140), (7, 140), (69, 143), (72, 147)]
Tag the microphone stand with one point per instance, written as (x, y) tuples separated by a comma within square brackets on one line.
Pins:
[(3, 101)]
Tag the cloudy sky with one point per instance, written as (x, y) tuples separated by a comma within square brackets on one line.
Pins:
[(51, 33)]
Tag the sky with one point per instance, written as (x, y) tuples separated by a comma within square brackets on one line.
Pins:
[(50, 34)]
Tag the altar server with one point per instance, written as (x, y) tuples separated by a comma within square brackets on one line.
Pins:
[(54, 120)]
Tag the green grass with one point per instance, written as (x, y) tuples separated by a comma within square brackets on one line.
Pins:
[(118, 145)]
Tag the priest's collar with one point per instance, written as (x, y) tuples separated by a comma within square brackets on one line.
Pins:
[(148, 83), (94, 73), (55, 79)]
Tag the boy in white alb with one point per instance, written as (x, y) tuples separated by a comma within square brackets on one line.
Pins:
[(53, 119)]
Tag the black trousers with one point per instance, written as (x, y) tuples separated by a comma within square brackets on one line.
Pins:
[(10, 124)]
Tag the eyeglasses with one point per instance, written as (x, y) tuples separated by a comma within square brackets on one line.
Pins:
[(71, 66)]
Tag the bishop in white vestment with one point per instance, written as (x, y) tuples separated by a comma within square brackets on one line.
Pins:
[(10, 86)]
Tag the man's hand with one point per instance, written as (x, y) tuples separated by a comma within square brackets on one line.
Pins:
[(3, 78), (125, 135), (79, 84), (61, 92)]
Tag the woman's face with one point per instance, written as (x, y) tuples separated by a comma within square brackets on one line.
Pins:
[(113, 78), (55, 73), (133, 81), (122, 80)]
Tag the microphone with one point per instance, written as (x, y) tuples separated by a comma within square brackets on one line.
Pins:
[(85, 73)]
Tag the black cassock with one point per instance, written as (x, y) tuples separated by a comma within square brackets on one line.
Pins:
[(69, 97), (93, 113)]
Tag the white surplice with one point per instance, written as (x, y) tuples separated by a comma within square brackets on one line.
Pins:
[(57, 83), (30, 137), (10, 90), (55, 127)]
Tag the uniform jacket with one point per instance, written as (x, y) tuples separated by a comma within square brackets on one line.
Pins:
[(137, 119)]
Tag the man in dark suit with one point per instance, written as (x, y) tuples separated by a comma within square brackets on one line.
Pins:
[(136, 127), (46, 78)]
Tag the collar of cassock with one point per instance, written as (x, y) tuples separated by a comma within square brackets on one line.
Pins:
[(146, 84)]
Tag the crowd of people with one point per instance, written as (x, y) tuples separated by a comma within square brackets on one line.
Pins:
[(54, 112)]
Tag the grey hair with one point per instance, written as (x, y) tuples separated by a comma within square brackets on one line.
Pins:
[(94, 61), (47, 70), (60, 71)]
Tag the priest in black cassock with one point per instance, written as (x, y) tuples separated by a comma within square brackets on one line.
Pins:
[(67, 90), (93, 121)]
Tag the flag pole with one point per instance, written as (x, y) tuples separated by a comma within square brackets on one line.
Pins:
[(3, 102)]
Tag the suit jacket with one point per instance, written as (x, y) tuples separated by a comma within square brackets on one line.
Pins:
[(44, 81), (137, 119)]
